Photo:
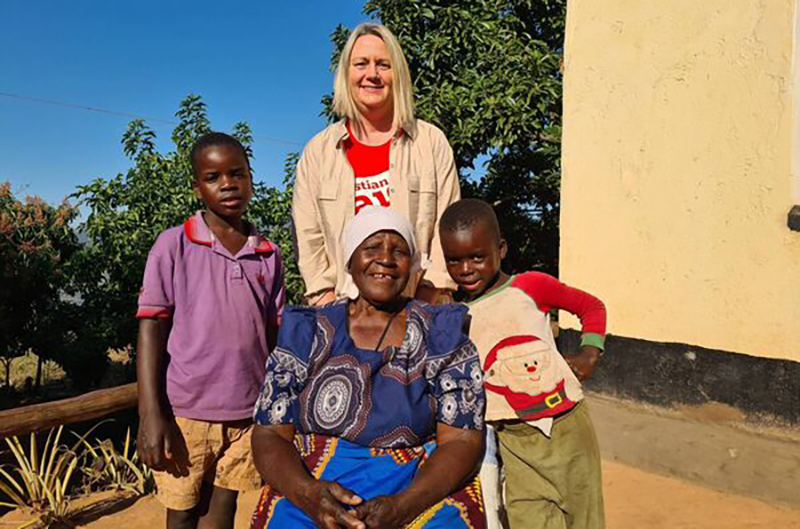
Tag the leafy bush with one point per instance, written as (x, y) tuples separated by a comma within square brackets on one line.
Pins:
[(37, 244)]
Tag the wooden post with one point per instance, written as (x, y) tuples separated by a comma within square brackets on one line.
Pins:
[(20, 421)]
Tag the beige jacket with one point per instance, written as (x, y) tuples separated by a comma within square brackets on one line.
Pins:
[(423, 182)]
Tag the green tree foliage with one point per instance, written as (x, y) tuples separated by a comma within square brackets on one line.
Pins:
[(488, 73), (36, 246), (127, 212), (271, 209)]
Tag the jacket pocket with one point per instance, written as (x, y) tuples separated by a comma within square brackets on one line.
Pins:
[(331, 211), (422, 208), (329, 189)]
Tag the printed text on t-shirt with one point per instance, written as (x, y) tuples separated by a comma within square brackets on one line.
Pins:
[(372, 191)]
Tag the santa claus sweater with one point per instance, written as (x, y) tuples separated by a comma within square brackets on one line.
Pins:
[(525, 376)]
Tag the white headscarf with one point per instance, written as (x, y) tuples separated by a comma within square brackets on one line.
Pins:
[(368, 222)]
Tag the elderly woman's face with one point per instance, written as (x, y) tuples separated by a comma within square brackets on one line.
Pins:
[(370, 74), (381, 267)]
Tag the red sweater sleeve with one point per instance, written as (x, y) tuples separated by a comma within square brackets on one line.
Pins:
[(550, 293)]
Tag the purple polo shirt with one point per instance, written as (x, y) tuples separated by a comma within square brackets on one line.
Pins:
[(220, 305)]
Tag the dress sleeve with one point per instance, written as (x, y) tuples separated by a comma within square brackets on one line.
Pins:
[(550, 293), (453, 370), (157, 295), (287, 369)]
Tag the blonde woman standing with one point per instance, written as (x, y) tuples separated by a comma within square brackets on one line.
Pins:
[(378, 154)]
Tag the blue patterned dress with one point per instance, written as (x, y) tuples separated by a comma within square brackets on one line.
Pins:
[(367, 419)]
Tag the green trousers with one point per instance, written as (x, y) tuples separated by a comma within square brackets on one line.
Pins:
[(553, 483)]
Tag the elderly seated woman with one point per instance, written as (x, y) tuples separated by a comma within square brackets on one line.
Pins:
[(371, 413)]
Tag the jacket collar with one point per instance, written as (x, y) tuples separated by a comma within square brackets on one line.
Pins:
[(198, 232)]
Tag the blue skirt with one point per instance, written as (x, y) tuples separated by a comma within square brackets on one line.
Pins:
[(369, 472)]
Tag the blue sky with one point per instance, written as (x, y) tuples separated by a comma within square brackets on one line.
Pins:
[(264, 62)]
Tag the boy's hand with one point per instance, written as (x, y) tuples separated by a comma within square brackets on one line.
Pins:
[(328, 297), (160, 444), (584, 363), (427, 292)]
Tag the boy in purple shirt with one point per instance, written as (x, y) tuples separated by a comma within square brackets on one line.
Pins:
[(208, 314)]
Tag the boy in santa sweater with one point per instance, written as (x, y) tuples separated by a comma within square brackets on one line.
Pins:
[(547, 442)]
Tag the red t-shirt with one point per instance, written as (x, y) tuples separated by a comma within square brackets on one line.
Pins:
[(371, 166)]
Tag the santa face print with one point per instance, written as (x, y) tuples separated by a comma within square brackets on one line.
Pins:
[(522, 368)]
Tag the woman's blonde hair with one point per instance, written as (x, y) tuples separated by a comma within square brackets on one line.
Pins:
[(343, 103)]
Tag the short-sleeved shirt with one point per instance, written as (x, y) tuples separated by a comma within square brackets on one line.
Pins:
[(318, 380), (221, 306)]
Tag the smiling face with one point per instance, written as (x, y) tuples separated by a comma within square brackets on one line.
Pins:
[(370, 75), (381, 266), (473, 257), (223, 180)]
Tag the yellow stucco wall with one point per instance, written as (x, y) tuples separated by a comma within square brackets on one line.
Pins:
[(677, 170)]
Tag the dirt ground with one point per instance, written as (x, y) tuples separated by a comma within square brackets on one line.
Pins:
[(707, 446), (634, 499), (637, 499)]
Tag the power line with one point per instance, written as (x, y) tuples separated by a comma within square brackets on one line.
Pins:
[(124, 114)]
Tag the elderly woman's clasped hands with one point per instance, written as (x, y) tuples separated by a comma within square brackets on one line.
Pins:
[(333, 506)]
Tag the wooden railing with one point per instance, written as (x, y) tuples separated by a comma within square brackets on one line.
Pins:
[(20, 421)]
